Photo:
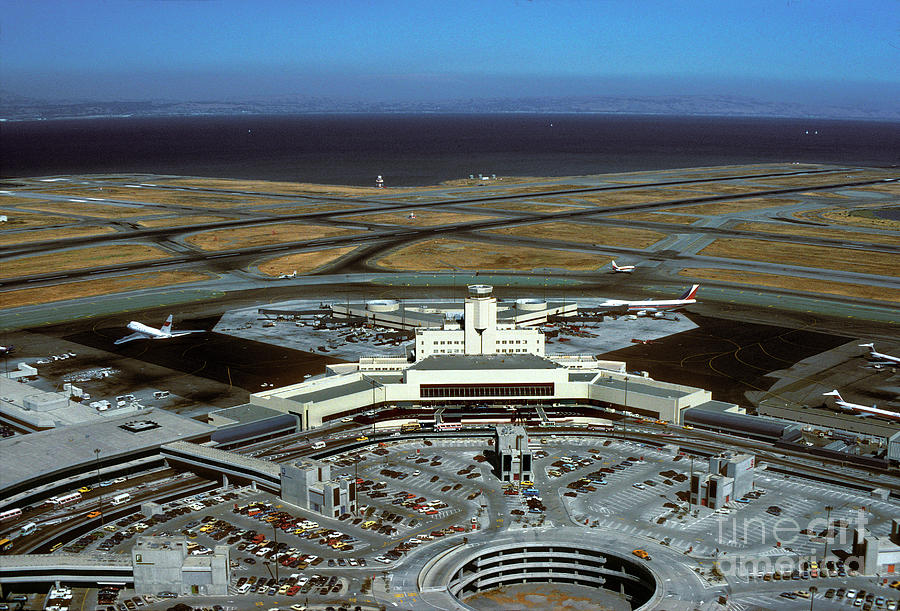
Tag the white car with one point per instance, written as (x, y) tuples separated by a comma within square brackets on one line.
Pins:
[(383, 560)]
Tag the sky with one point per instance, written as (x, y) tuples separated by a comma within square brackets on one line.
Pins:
[(846, 52)]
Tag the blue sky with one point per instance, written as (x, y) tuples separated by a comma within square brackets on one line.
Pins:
[(787, 50)]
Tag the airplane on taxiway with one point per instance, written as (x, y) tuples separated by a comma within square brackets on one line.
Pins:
[(877, 359), (293, 274), (142, 331), (654, 306), (622, 269), (862, 410)]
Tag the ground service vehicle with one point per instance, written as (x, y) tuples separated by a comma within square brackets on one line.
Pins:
[(65, 499), (10, 514)]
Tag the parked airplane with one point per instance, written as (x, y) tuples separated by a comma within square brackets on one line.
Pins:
[(411, 216), (877, 359), (624, 269), (293, 274), (863, 410), (652, 306), (142, 331)]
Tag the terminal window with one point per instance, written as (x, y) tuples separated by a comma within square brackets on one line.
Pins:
[(486, 390)]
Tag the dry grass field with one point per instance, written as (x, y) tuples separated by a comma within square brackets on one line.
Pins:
[(825, 194), (94, 288), (88, 209), (261, 235), (16, 219), (891, 188), (652, 217), (638, 196), (821, 232), (12, 200), (530, 207), (307, 209), (786, 253), (188, 219), (827, 178), (724, 171), (716, 208), (303, 262), (197, 199), (289, 188), (811, 285), (444, 254), (857, 217), (585, 234), (80, 258), (541, 188), (43, 235), (424, 218)]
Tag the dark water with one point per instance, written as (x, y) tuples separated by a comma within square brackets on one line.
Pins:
[(424, 149)]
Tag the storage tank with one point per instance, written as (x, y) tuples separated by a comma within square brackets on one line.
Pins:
[(383, 305)]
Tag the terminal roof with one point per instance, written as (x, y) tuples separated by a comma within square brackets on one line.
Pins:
[(38, 455), (442, 362), (331, 392)]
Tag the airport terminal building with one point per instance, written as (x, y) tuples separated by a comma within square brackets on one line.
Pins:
[(477, 361)]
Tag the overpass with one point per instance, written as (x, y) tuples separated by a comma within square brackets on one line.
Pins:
[(225, 464), (68, 568)]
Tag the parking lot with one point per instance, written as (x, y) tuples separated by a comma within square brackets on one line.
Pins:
[(413, 493)]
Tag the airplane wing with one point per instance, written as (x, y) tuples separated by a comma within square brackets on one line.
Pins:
[(131, 337), (180, 333)]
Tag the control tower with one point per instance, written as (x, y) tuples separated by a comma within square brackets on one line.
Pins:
[(480, 328)]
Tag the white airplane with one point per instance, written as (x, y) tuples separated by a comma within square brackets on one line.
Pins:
[(293, 274), (624, 269), (653, 306), (863, 410), (412, 215), (142, 331), (877, 359)]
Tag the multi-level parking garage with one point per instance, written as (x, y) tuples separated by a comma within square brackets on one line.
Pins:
[(568, 559)]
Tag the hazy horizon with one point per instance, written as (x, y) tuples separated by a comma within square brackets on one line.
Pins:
[(838, 54)]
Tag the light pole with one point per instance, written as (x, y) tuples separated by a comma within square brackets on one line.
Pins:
[(691, 486), (374, 385), (828, 509), (99, 488), (278, 561), (812, 596)]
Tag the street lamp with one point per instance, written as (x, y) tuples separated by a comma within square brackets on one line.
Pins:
[(99, 488), (828, 509), (277, 561), (812, 596), (691, 486)]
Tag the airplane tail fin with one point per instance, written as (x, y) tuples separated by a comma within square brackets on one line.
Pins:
[(690, 293), (167, 326), (871, 347), (833, 393), (613, 263)]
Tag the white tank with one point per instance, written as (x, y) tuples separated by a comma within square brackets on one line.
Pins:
[(480, 291), (383, 305), (530, 304)]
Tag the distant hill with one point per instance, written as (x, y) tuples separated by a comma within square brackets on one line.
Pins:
[(17, 108)]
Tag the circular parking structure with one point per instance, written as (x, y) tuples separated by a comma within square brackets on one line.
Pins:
[(570, 557)]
